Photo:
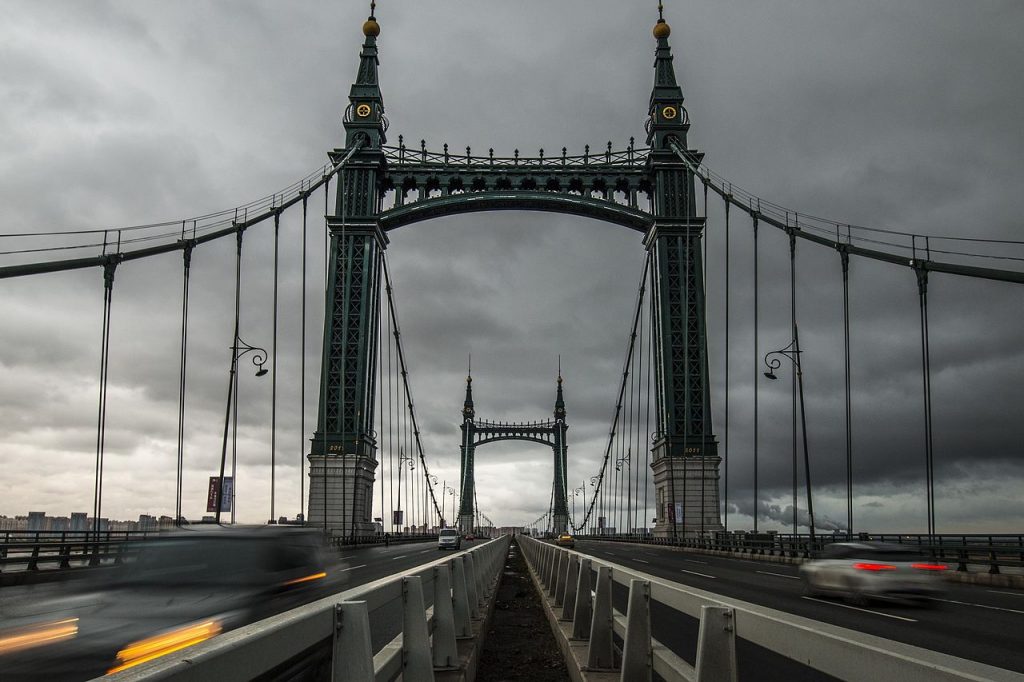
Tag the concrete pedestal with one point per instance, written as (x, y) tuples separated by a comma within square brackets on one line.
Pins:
[(686, 491), (347, 489)]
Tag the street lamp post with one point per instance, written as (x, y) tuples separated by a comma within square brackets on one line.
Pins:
[(451, 492), (575, 492), (238, 349), (792, 352)]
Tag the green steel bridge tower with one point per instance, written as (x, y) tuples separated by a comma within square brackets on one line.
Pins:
[(382, 188)]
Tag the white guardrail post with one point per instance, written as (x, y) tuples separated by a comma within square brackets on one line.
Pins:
[(352, 656), (460, 600), (584, 611), (471, 584), (572, 577), (716, 645), (600, 654), (563, 563), (416, 660), (637, 661), (446, 653)]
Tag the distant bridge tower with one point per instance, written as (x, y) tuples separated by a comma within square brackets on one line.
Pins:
[(475, 433)]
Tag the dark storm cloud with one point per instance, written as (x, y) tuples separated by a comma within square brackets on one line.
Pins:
[(902, 116)]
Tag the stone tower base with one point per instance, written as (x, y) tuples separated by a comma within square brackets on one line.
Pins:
[(347, 476), (686, 492)]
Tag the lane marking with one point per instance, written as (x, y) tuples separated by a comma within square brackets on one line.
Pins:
[(780, 575), (641, 561), (426, 550), (857, 608), (352, 568), (702, 575), (980, 606), (695, 561), (400, 556), (1015, 594)]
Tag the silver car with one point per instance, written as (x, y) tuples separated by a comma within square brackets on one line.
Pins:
[(860, 571)]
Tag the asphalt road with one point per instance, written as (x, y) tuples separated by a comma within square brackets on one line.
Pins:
[(979, 623)]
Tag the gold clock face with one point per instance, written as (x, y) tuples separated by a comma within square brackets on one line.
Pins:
[(669, 112), (363, 110)]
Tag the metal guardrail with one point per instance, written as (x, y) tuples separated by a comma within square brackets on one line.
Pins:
[(995, 551), (461, 586), (53, 550), (568, 580)]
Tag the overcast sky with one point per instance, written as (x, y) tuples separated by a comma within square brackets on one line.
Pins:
[(902, 115)]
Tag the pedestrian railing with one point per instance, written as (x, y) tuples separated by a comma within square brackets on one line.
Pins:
[(578, 589), (56, 553), (991, 553), (337, 629)]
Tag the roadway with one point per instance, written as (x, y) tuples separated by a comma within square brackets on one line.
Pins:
[(979, 623)]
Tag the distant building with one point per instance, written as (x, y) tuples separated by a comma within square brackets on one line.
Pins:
[(79, 521), (37, 521)]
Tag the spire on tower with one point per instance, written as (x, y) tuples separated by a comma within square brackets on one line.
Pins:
[(467, 407), (559, 399), (667, 115), (365, 114)]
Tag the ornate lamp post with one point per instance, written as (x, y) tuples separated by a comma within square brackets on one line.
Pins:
[(432, 479), (792, 352), (451, 492), (577, 491), (259, 358)]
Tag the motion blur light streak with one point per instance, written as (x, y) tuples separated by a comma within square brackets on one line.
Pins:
[(304, 579), (930, 567), (39, 635), (874, 567), (161, 645)]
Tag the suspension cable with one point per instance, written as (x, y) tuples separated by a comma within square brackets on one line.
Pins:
[(273, 373), (725, 453), (405, 381), (926, 375), (824, 237), (302, 371), (109, 269), (845, 261), (182, 375), (622, 388)]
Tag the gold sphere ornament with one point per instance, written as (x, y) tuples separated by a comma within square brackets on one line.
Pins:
[(371, 28), (662, 29)]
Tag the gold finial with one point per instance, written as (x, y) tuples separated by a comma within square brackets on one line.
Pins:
[(661, 29), (371, 27)]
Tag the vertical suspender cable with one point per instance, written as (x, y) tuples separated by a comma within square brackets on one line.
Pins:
[(922, 289), (647, 408), (705, 391), (792, 317), (640, 429), (328, 255), (391, 422), (186, 253), (753, 217), (234, 378), (844, 255), (273, 373), (101, 419), (302, 372), (380, 395), (725, 448)]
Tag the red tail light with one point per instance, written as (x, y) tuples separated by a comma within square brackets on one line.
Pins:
[(866, 566), (931, 567)]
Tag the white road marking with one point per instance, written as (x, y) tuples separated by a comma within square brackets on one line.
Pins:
[(400, 556), (857, 608), (780, 575), (1015, 594), (702, 575), (695, 561), (426, 550), (980, 606), (641, 561), (352, 568)]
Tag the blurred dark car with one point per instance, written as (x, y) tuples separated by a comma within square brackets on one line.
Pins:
[(861, 571), (183, 588)]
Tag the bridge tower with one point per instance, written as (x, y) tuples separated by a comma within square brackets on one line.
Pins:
[(551, 433), (685, 450), (343, 450)]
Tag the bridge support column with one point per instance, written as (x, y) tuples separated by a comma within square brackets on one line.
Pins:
[(686, 492), (346, 491)]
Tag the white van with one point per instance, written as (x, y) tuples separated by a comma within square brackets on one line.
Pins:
[(449, 538)]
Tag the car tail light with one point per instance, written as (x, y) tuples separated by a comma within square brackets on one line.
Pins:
[(930, 567), (163, 644), (868, 566)]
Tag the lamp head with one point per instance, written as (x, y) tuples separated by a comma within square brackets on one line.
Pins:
[(771, 375), (261, 371)]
